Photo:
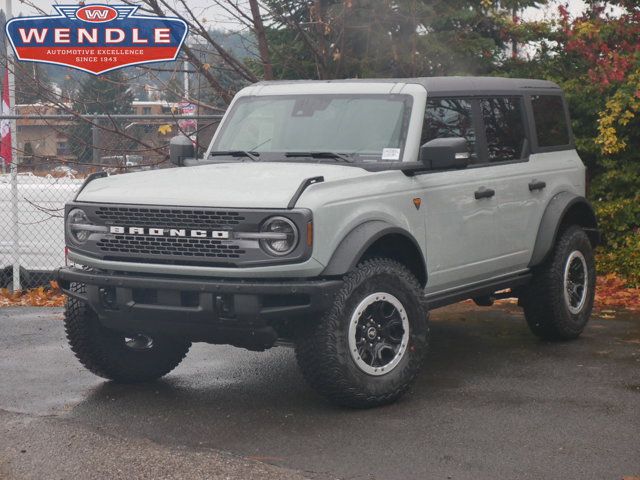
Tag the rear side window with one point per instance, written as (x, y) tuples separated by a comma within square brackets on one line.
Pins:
[(447, 118), (504, 127), (551, 120)]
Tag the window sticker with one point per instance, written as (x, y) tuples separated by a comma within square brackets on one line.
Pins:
[(390, 154)]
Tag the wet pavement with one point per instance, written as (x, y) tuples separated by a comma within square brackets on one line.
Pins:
[(493, 402)]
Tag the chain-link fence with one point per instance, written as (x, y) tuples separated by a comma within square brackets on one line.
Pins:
[(53, 155)]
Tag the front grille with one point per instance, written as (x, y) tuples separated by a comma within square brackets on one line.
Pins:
[(152, 241), (169, 218), (170, 246), (170, 249)]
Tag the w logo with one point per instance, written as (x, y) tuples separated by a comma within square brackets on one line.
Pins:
[(97, 13)]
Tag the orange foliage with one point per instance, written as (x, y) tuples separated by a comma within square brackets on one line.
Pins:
[(50, 296), (612, 292)]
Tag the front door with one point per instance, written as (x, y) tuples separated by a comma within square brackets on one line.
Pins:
[(460, 206)]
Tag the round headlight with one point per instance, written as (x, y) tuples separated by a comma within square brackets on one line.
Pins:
[(281, 236), (77, 221)]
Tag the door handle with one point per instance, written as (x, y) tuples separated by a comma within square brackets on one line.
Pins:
[(536, 185), (484, 193)]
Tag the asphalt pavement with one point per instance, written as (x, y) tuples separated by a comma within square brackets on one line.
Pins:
[(492, 403)]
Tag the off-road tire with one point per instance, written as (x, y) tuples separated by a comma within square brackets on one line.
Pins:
[(545, 307), (105, 353), (322, 347)]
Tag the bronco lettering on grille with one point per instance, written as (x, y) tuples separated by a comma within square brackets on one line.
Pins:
[(169, 232)]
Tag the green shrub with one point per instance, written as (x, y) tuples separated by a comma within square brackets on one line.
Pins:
[(618, 180), (624, 260), (617, 219), (619, 222)]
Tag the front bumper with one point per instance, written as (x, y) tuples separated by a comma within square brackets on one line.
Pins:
[(237, 312)]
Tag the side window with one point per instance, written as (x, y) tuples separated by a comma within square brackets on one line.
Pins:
[(551, 121), (504, 128), (449, 117)]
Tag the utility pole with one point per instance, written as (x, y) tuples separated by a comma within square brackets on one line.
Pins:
[(185, 77), (15, 225), (514, 45), (4, 53), (95, 141)]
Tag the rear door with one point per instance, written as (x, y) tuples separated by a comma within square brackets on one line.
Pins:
[(554, 165), (507, 145), (520, 133)]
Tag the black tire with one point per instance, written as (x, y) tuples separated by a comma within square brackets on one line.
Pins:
[(323, 351), (547, 311), (105, 353)]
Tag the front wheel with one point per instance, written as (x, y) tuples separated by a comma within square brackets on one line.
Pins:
[(558, 302), (115, 356), (367, 350)]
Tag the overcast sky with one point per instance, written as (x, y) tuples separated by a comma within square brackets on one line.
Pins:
[(220, 19), (575, 7)]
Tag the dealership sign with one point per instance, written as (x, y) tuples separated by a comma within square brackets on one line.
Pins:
[(96, 38)]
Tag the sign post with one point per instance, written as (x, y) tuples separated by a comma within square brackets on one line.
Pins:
[(15, 219), (4, 52)]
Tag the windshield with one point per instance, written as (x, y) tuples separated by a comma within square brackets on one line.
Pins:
[(362, 127)]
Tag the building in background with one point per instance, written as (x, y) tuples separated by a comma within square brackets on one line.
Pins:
[(43, 143)]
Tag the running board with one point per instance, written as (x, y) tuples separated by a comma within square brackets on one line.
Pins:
[(442, 299)]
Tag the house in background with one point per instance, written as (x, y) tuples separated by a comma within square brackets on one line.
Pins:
[(41, 142)]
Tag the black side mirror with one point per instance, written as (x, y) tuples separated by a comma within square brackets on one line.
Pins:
[(445, 153), (180, 148)]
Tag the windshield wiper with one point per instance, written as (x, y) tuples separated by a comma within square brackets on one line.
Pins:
[(236, 153), (334, 155)]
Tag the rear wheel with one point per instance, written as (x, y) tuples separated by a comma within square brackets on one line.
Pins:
[(367, 350), (130, 358), (558, 302)]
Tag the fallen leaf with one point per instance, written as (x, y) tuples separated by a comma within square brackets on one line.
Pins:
[(165, 129), (50, 296)]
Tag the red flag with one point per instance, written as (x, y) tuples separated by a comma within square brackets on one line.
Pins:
[(5, 129)]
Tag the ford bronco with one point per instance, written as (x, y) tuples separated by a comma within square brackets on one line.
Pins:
[(332, 216)]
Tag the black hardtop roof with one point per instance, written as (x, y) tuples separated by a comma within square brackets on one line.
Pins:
[(453, 85), (437, 84)]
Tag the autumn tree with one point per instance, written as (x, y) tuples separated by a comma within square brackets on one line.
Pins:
[(598, 55)]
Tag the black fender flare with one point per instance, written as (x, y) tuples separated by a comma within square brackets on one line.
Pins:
[(556, 211), (357, 241)]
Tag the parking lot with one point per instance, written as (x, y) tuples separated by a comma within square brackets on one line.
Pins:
[(493, 403)]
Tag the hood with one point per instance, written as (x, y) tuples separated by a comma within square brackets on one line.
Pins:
[(234, 185)]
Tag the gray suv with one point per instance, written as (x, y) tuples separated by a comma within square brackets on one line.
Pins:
[(332, 216)]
